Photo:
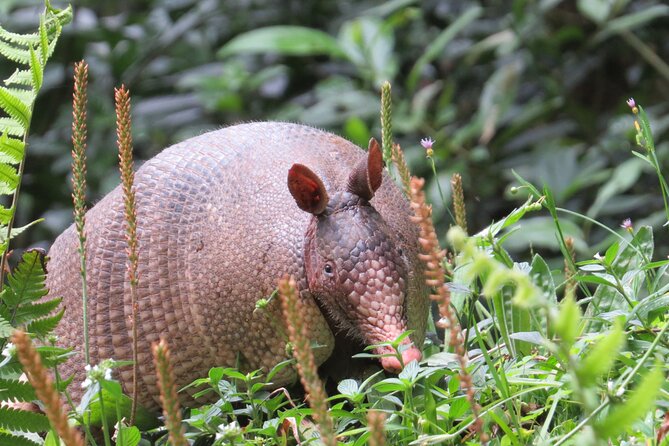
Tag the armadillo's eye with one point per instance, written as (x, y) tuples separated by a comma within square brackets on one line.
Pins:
[(328, 269)]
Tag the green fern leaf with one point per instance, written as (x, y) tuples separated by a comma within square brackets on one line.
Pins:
[(26, 282), (27, 313), (19, 39), (44, 40), (26, 95), (16, 231), (21, 420), (15, 440), (20, 77), (6, 329), (13, 389), (44, 326), (36, 69), (11, 148), (14, 53), (9, 179), (5, 216), (14, 107), (11, 127)]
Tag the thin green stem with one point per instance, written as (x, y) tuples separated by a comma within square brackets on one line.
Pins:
[(583, 422), (441, 193), (105, 422)]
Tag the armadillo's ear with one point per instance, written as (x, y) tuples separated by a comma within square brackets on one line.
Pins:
[(307, 189), (366, 177)]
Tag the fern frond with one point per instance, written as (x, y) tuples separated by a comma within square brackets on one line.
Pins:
[(15, 54), (26, 282), (25, 95), (21, 420), (11, 148), (20, 77), (44, 326), (9, 179), (15, 440), (11, 127), (27, 313), (17, 231), (5, 215), (14, 107), (5, 329), (36, 70), (13, 389)]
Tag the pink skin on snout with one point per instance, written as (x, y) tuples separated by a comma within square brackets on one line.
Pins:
[(392, 364)]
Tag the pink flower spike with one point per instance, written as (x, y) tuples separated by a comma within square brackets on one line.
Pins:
[(627, 225), (427, 143), (631, 102)]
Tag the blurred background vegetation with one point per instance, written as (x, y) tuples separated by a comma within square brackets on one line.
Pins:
[(534, 86)]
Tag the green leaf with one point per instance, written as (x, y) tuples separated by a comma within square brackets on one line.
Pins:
[(22, 420), (34, 311), (26, 282), (637, 405), (11, 149), (14, 107), (44, 41), (9, 179), (599, 358), (36, 70), (16, 231), (284, 40), (596, 10), (15, 389), (131, 436), (631, 21), (436, 47), (568, 322), (542, 278), (42, 327), (14, 53), (15, 440), (20, 77), (6, 328), (624, 176), (11, 127)]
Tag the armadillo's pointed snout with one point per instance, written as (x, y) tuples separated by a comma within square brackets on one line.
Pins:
[(392, 363)]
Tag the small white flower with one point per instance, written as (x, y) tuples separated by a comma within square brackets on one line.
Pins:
[(9, 350), (597, 256), (86, 384), (108, 374)]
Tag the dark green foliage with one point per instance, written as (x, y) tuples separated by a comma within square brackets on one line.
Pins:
[(22, 420)]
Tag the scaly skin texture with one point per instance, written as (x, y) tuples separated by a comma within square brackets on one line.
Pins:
[(217, 228)]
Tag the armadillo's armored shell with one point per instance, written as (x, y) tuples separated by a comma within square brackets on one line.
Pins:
[(217, 227)]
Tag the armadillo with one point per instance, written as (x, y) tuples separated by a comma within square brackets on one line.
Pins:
[(221, 217)]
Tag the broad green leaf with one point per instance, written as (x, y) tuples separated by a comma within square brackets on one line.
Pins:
[(567, 324), (542, 278), (130, 435), (284, 40), (599, 358), (507, 221), (637, 405)]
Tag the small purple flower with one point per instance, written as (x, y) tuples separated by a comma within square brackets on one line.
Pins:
[(631, 103), (627, 225), (427, 143)]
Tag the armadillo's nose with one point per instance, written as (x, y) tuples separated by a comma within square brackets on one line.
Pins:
[(392, 364)]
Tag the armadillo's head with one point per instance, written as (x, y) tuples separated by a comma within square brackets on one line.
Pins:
[(354, 264)]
